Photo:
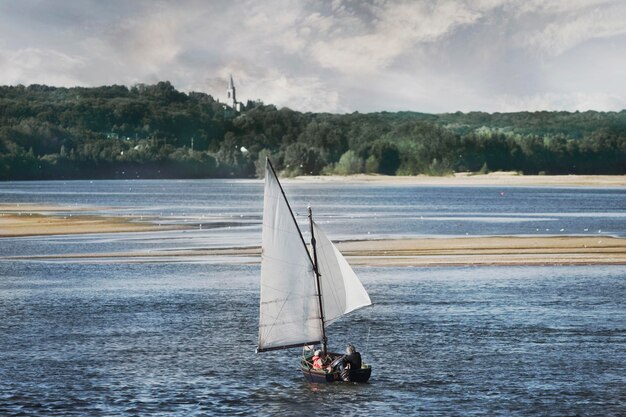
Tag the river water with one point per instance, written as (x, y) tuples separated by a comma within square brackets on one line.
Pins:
[(177, 337)]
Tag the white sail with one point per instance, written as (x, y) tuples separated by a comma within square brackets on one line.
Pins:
[(342, 291), (289, 307)]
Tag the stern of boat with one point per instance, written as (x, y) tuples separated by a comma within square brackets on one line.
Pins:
[(361, 375)]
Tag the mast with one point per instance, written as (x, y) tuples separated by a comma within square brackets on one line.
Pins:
[(317, 281)]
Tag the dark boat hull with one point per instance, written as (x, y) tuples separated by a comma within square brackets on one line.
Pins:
[(320, 376)]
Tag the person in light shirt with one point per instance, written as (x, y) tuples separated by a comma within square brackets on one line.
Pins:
[(319, 360)]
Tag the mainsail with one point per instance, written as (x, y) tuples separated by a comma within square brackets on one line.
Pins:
[(342, 291), (290, 310)]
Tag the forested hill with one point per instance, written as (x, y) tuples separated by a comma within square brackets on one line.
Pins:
[(155, 131)]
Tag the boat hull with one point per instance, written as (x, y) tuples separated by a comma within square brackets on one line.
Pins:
[(320, 376)]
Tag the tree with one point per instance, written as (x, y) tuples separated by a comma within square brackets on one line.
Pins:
[(388, 157), (301, 159), (148, 130), (349, 164)]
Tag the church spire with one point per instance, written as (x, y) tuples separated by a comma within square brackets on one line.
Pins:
[(232, 96)]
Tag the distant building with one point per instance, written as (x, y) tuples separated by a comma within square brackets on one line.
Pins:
[(232, 95)]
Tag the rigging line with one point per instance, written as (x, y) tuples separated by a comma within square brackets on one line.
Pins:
[(308, 319), (279, 290), (289, 231), (367, 342), (278, 300), (307, 266), (294, 297)]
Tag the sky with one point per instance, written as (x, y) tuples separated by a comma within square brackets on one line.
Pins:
[(337, 56)]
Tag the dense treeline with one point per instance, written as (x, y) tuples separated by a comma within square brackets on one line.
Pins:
[(155, 131)]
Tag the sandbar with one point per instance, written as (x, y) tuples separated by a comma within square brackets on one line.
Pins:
[(18, 220), (454, 251), (467, 179), (36, 220), (497, 250)]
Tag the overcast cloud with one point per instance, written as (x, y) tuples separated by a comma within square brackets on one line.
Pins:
[(336, 56)]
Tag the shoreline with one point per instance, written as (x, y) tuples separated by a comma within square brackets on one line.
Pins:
[(467, 179), (498, 178)]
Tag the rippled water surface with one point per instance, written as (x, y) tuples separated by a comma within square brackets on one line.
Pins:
[(178, 337)]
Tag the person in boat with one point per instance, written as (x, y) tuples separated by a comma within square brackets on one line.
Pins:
[(320, 360), (351, 360), (353, 357)]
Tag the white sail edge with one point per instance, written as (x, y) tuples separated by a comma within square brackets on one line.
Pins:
[(342, 291)]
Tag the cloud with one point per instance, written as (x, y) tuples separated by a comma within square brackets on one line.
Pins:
[(34, 65), (277, 27), (301, 93), (151, 42), (558, 7), (565, 101), (342, 55), (578, 25), (398, 28)]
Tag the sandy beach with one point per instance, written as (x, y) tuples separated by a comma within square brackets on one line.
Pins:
[(466, 179)]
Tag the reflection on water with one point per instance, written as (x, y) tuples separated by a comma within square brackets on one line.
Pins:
[(179, 339)]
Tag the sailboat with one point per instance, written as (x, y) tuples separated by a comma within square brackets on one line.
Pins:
[(302, 291)]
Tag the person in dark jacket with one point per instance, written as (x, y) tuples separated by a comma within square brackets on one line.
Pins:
[(353, 357), (351, 360)]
